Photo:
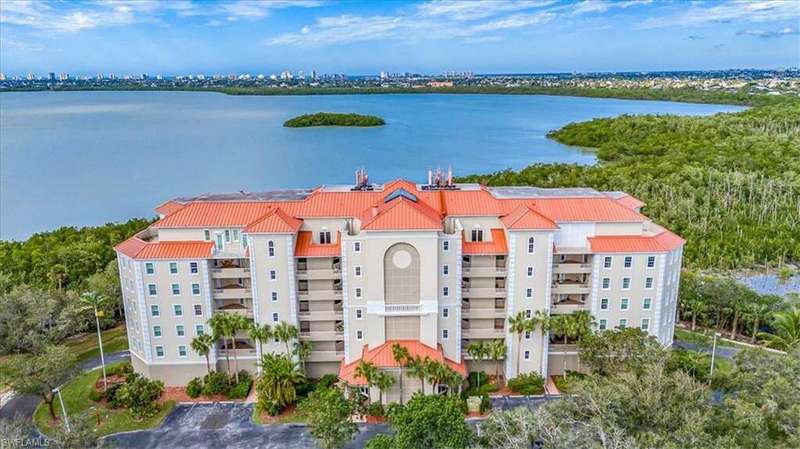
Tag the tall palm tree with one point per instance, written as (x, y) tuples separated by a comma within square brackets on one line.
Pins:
[(401, 355), (583, 322), (302, 349), (97, 302), (259, 333), (369, 372), (202, 344), (236, 323), (279, 379), (478, 351), (694, 307), (418, 367), (285, 333), (786, 330), (518, 325), (757, 312), (384, 382), (219, 328), (438, 373), (497, 351)]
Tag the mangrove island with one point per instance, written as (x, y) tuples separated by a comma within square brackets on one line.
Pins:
[(333, 119)]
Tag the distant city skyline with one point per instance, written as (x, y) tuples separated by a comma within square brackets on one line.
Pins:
[(366, 38)]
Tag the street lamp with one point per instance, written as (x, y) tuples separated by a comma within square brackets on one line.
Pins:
[(713, 354), (97, 315), (57, 391)]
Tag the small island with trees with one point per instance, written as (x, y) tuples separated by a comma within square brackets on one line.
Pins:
[(333, 119)]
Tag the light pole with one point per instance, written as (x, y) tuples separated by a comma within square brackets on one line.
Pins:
[(57, 390), (713, 355), (97, 315)]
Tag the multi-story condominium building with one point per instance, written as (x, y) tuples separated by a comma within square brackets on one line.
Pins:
[(433, 267)]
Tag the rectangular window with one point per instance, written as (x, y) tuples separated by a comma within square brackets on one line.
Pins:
[(445, 291), (445, 312), (623, 304), (528, 313), (176, 289), (180, 331), (445, 334), (196, 289), (359, 335), (445, 270), (178, 309), (527, 335), (651, 261), (645, 324), (173, 268), (648, 282), (623, 323), (275, 317), (206, 234), (356, 247), (647, 303), (531, 245), (227, 236), (235, 235), (154, 310), (359, 314), (325, 237), (628, 262), (445, 246), (218, 241), (157, 331), (271, 248), (182, 351), (606, 283), (149, 268), (477, 235), (199, 329), (529, 293), (358, 292), (274, 296), (604, 304), (357, 270), (193, 268), (607, 262), (151, 289), (198, 310), (530, 272), (273, 275), (160, 352), (626, 283), (527, 355), (602, 324)]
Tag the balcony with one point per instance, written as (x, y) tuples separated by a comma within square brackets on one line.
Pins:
[(233, 292), (318, 273), (567, 308), (466, 356), (557, 347), (320, 315), (483, 292), (325, 356), (489, 272), (236, 309), (561, 288), (483, 333), (472, 312), (319, 295), (321, 335), (243, 348), (566, 267), (230, 272), (422, 308)]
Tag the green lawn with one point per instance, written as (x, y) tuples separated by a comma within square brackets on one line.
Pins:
[(701, 339), (77, 402), (85, 346), (288, 418)]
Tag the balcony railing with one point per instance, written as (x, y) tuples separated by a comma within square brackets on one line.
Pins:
[(483, 333), (471, 271), (319, 273), (230, 272), (319, 295), (483, 292), (320, 315), (570, 288), (325, 356), (232, 292), (472, 312), (571, 267)]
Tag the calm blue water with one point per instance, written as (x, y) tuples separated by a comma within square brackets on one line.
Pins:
[(82, 158)]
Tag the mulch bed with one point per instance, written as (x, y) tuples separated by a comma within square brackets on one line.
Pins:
[(288, 411), (178, 394)]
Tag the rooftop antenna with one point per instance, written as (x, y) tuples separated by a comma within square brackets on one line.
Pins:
[(449, 176)]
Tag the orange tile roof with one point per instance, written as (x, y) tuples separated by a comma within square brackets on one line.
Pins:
[(663, 242), (498, 245), (400, 213), (215, 214), (169, 207), (136, 248), (274, 221), (305, 246), (631, 202), (524, 217), (382, 357), (585, 209)]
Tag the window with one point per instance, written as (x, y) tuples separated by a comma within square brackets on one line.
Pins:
[(173, 268), (529, 293), (176, 289), (528, 313), (647, 303), (359, 314), (445, 246), (445, 270), (445, 334), (527, 355), (235, 235), (604, 304), (527, 335), (218, 240), (626, 283), (602, 325), (154, 310), (180, 331), (325, 237), (193, 267), (199, 329), (606, 283), (206, 234), (227, 236), (157, 331), (178, 309), (357, 270), (160, 352), (651, 261), (359, 335), (445, 291), (195, 289), (274, 296), (271, 248), (623, 323), (628, 262), (607, 262), (445, 312), (245, 241), (623, 304), (531, 245), (645, 324), (477, 235), (182, 351), (530, 272), (149, 268), (273, 275), (275, 317), (151, 289), (648, 282), (358, 292), (198, 310)]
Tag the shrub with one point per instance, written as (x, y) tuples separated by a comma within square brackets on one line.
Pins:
[(111, 395), (139, 394), (95, 396), (475, 376), (566, 383), (241, 390), (195, 387), (122, 369), (272, 408), (527, 384), (486, 404), (375, 409), (216, 383), (328, 381)]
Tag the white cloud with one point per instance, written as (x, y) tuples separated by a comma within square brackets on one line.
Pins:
[(601, 6), (463, 10), (514, 21), (786, 31), (732, 11)]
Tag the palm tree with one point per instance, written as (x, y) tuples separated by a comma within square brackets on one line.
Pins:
[(96, 302), (302, 349), (219, 327), (202, 345), (259, 333), (438, 373), (383, 381), (418, 367), (759, 311), (369, 372), (518, 325), (58, 273), (695, 307), (236, 323), (497, 352), (279, 377), (401, 356), (454, 381), (583, 322), (786, 330), (285, 333), (478, 351)]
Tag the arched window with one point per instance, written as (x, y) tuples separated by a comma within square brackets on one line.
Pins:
[(531, 245), (271, 248)]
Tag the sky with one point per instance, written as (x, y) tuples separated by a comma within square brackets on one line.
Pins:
[(174, 37)]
